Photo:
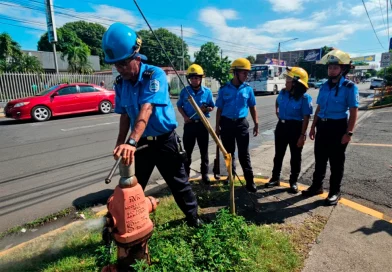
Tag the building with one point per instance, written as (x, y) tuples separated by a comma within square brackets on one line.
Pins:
[(47, 61), (291, 58)]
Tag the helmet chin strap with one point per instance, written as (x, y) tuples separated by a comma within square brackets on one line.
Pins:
[(238, 78)]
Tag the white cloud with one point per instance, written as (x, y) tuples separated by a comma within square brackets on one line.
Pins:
[(187, 32), (288, 25), (235, 41), (287, 5), (191, 51)]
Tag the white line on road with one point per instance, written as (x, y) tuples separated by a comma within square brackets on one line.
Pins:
[(90, 126)]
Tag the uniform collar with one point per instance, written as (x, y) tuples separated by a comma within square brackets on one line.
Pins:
[(143, 67), (200, 91), (239, 88)]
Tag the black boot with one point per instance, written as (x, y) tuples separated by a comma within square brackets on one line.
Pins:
[(274, 181), (293, 187), (206, 179), (251, 186), (313, 190), (194, 221), (332, 199)]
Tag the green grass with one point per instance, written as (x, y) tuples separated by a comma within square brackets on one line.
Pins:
[(227, 243), (385, 101)]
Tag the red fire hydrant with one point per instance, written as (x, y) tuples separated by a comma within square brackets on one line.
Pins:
[(128, 221)]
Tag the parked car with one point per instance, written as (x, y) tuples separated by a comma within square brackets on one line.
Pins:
[(61, 99), (377, 83), (320, 82)]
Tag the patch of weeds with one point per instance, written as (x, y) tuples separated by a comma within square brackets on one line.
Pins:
[(38, 222)]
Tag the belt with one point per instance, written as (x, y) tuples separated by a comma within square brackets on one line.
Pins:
[(289, 121), (156, 138), (332, 120), (196, 121), (233, 119)]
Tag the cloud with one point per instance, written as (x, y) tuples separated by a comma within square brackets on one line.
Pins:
[(235, 41), (287, 6)]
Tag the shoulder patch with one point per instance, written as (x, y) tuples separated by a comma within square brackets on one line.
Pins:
[(348, 83), (154, 85), (148, 74), (118, 80)]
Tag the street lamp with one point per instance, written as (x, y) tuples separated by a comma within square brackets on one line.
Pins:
[(279, 48)]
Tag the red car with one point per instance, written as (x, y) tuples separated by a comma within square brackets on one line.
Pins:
[(61, 99)]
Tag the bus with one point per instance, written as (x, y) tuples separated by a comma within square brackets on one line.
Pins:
[(266, 78)]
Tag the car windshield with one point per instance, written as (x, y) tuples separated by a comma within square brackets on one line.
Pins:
[(258, 73), (45, 92)]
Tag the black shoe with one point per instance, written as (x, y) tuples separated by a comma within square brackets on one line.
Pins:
[(312, 191), (273, 182), (194, 221), (332, 199), (251, 187), (206, 180), (293, 188)]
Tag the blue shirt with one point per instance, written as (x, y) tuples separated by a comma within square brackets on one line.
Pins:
[(150, 88), (204, 95), (291, 109), (336, 107), (235, 102)]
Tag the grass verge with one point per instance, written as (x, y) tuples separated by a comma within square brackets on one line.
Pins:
[(226, 243)]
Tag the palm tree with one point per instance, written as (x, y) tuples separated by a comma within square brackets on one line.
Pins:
[(77, 57), (9, 51), (29, 64)]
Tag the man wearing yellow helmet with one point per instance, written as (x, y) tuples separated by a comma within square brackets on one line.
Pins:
[(337, 97), (234, 100), (193, 127), (293, 108)]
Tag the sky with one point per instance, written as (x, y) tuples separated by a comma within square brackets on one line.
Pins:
[(240, 28)]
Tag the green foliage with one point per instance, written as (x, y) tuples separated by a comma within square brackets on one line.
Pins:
[(384, 101), (172, 44), (251, 58), (227, 244), (208, 58), (12, 59), (77, 57)]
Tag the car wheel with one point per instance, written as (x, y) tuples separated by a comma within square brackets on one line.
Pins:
[(275, 91), (105, 107), (41, 113)]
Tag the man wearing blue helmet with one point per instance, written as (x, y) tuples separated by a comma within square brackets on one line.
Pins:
[(142, 99)]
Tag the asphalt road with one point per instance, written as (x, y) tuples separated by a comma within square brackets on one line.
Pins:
[(46, 167)]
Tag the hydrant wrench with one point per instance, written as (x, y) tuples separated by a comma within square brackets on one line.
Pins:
[(114, 168)]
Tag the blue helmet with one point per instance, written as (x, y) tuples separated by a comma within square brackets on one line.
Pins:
[(120, 42)]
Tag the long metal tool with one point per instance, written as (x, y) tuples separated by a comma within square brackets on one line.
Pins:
[(206, 123)]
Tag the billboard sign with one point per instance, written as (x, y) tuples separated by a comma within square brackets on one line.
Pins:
[(312, 55), (385, 59), (52, 35), (364, 59), (275, 62)]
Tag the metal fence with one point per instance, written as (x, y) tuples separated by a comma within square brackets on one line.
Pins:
[(176, 86), (19, 85)]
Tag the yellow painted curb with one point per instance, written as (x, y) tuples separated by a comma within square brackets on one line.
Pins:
[(370, 144)]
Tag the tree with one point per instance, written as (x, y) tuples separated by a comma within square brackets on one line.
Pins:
[(12, 59), (208, 58), (77, 57), (170, 41), (75, 34), (251, 58)]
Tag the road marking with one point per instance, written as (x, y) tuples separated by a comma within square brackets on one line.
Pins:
[(72, 120), (370, 144), (90, 126)]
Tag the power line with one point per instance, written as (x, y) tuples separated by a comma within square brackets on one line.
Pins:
[(375, 33), (382, 14), (387, 20)]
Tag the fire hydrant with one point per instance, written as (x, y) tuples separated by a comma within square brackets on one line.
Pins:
[(128, 221)]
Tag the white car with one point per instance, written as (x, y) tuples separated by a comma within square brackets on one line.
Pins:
[(377, 83)]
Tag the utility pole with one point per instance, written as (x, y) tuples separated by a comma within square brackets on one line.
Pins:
[(279, 54), (52, 35), (182, 45)]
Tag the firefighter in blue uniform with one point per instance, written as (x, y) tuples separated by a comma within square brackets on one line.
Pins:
[(193, 127), (143, 101), (234, 101), (333, 125), (293, 108)]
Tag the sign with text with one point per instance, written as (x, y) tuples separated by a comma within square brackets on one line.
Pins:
[(312, 55), (52, 35), (364, 58), (385, 59)]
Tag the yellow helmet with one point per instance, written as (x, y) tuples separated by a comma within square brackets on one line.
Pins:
[(240, 64), (195, 70), (298, 74), (336, 56)]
